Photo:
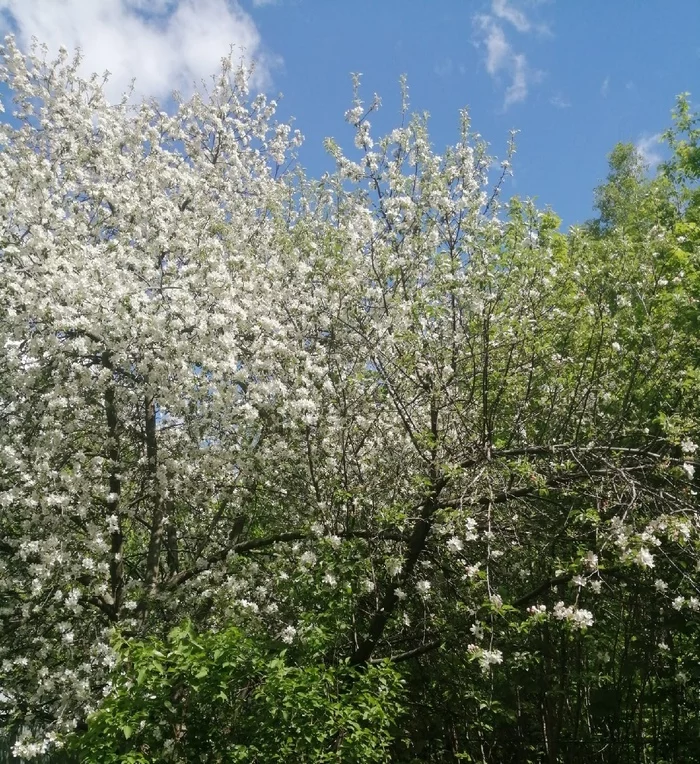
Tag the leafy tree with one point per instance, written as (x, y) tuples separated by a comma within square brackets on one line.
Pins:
[(683, 168)]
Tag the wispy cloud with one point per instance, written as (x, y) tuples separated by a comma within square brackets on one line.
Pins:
[(164, 44), (499, 53), (517, 91), (444, 67), (605, 87), (500, 57), (559, 102), (649, 150), (503, 10)]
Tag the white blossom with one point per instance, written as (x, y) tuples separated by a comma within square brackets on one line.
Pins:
[(471, 571), (486, 658), (308, 559), (288, 634), (579, 618), (423, 587), (645, 558), (688, 446), (591, 560)]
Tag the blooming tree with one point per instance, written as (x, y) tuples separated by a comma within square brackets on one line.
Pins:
[(376, 417)]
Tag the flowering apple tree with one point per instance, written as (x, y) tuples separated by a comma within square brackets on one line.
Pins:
[(375, 425)]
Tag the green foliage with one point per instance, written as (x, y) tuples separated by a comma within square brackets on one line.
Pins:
[(225, 697), (683, 167)]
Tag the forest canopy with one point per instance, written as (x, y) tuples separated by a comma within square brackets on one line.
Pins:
[(378, 466)]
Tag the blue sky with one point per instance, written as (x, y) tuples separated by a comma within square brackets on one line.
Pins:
[(573, 77)]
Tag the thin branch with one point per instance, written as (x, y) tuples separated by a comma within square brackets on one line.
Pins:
[(543, 587), (414, 653), (280, 538)]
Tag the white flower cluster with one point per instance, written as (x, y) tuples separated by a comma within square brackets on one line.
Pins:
[(288, 634), (423, 587), (485, 658), (537, 611), (645, 558), (579, 618), (690, 603), (689, 447)]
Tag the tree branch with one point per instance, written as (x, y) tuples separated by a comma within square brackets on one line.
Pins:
[(156, 540), (280, 538), (414, 653)]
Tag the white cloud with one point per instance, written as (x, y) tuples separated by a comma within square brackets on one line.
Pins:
[(501, 59), (261, 3), (507, 11), (517, 91), (605, 87), (559, 102), (648, 149), (502, 10), (498, 50), (165, 44)]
